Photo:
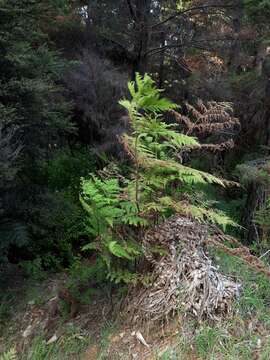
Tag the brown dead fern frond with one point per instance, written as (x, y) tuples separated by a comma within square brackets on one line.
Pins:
[(226, 145), (213, 120)]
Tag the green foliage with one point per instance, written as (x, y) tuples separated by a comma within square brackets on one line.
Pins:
[(34, 116), (254, 173), (33, 269), (157, 185), (84, 278), (212, 216), (107, 209), (100, 199), (145, 96), (56, 225), (262, 219), (12, 233), (258, 10), (66, 168), (108, 206), (57, 220), (6, 306), (262, 216), (123, 277), (9, 355), (154, 146)]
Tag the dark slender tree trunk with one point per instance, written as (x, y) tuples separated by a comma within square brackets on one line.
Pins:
[(255, 200), (238, 13), (267, 115), (162, 60), (141, 36)]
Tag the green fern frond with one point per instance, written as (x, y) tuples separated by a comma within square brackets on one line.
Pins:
[(186, 174), (123, 276), (118, 250), (209, 215), (146, 96), (181, 140), (9, 355), (91, 246)]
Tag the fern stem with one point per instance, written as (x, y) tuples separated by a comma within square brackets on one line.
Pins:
[(136, 174)]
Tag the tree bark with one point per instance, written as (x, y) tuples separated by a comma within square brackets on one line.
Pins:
[(162, 60), (142, 33), (238, 13), (255, 200)]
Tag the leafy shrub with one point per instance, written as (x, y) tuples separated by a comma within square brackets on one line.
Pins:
[(56, 224), (12, 233), (84, 279), (51, 219), (262, 219), (66, 168), (33, 269)]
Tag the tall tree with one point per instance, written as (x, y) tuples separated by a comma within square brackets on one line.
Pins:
[(33, 113)]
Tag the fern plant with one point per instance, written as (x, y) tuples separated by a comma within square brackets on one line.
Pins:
[(158, 185), (9, 355), (159, 177), (108, 209)]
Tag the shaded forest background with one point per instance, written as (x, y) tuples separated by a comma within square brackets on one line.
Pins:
[(65, 66)]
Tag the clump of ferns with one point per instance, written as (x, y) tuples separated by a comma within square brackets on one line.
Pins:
[(119, 208)]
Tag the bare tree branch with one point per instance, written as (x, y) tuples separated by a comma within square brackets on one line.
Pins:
[(195, 8), (132, 13), (196, 44)]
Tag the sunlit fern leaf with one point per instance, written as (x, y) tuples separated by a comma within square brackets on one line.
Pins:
[(118, 250), (186, 174), (209, 215), (145, 96)]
